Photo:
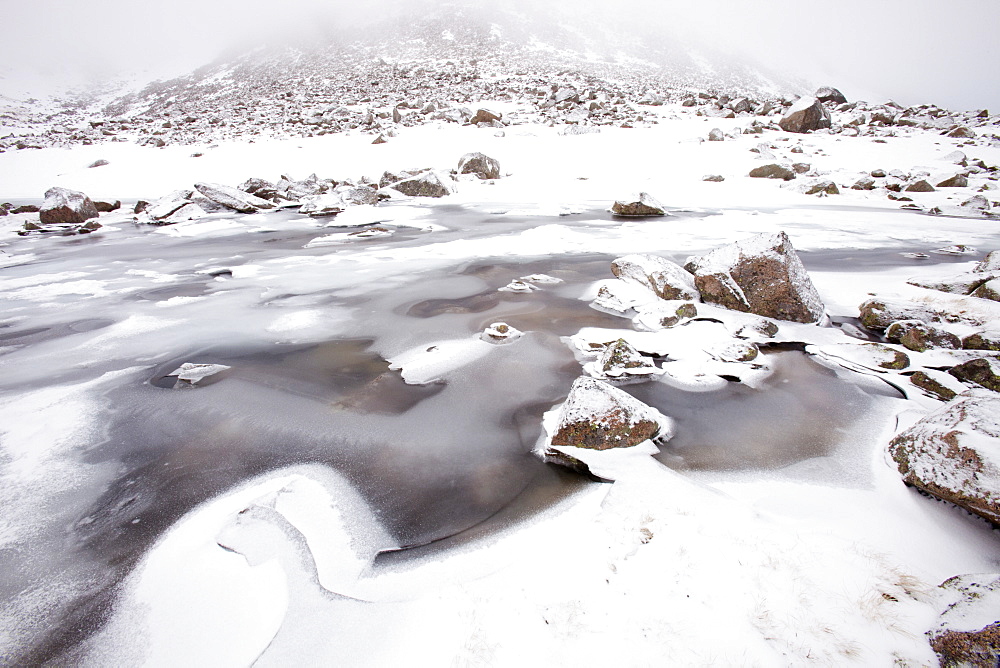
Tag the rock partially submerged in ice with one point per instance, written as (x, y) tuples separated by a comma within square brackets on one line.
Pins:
[(233, 198), (63, 206), (761, 275), (968, 629), (871, 356), (479, 164), (879, 313), (329, 204), (663, 314), (190, 374), (646, 205), (500, 332), (597, 416), (667, 279), (806, 114), (620, 359), (621, 296), (954, 453), (518, 285)]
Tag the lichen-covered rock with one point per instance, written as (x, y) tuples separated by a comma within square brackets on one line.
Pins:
[(985, 371), (761, 275), (772, 171), (667, 279), (968, 630), (821, 186), (880, 312), (736, 351), (621, 359), (600, 417), (988, 290), (645, 206), (919, 336), (233, 198), (425, 184), (806, 114), (985, 340), (937, 383), (63, 206), (954, 453), (757, 330), (479, 164)]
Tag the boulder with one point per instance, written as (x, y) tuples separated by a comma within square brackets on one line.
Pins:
[(990, 263), (107, 207), (500, 332), (920, 186), (98, 163), (380, 139), (598, 416), (485, 116), (953, 453), (962, 132), (968, 629), (621, 360), (357, 195), (821, 187), (479, 164), (66, 207), (937, 384), (864, 183), (919, 336), (761, 275), (425, 184), (645, 206), (976, 203), (985, 340), (805, 115), (959, 284), (830, 94), (233, 198), (714, 178), (716, 135), (772, 171), (667, 279), (956, 181), (328, 204), (983, 371), (988, 290), (190, 374)]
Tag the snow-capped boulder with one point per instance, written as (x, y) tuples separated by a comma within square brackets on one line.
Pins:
[(954, 453), (959, 284), (761, 275), (937, 384), (424, 184), (920, 336), (479, 164), (878, 313), (620, 359), (715, 134), (645, 206), (830, 94), (989, 290), (667, 279), (984, 371), (358, 195), (329, 204), (954, 181), (990, 263), (500, 332), (233, 198), (806, 114), (597, 416), (63, 206), (968, 629), (772, 171)]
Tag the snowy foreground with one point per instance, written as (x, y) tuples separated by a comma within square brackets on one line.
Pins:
[(824, 558)]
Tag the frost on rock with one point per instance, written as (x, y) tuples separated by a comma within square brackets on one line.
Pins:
[(990, 263), (878, 313), (954, 453), (761, 275), (872, 356), (646, 205), (806, 114), (329, 204), (597, 416), (961, 284), (233, 198), (66, 207), (620, 296), (479, 164), (190, 374), (426, 184), (968, 629), (500, 332), (620, 359), (667, 279), (518, 285)]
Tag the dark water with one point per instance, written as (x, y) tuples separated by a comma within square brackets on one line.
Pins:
[(438, 463)]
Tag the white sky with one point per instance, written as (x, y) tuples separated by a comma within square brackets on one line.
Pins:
[(912, 51)]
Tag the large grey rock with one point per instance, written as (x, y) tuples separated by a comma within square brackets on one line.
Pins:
[(667, 279), (954, 453), (479, 164), (233, 198), (761, 275), (63, 206), (425, 184), (645, 206), (805, 115)]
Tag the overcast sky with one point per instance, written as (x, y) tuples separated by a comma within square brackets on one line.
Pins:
[(913, 51)]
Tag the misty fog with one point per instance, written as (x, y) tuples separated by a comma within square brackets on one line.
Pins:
[(912, 52)]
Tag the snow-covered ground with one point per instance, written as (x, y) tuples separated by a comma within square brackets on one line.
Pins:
[(270, 492)]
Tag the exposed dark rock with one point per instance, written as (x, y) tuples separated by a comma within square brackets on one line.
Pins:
[(485, 116), (919, 336), (988, 290), (716, 135), (761, 275), (805, 115), (772, 171), (956, 181), (479, 164), (926, 382), (66, 207), (920, 186), (956, 643), (425, 184), (598, 416), (620, 358), (106, 207), (830, 94), (962, 132), (645, 206), (984, 371), (140, 206), (952, 453), (988, 340)]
